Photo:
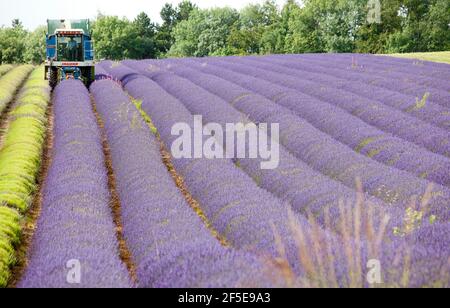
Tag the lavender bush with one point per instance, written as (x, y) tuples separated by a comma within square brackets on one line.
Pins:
[(76, 222), (374, 113), (168, 241), (420, 105), (333, 159), (360, 136)]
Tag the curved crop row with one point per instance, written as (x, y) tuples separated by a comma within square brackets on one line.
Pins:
[(9, 236), (10, 83), (294, 181), (376, 114), (422, 105), (408, 83), (427, 264), (332, 158), (374, 74), (75, 242), (381, 72), (431, 74), (360, 136), (168, 241), (5, 68), (20, 156), (20, 161), (236, 207)]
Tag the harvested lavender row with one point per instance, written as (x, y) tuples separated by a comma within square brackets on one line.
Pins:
[(371, 66), (376, 114), (339, 124), (332, 158), (235, 206), (75, 243), (421, 105), (168, 241)]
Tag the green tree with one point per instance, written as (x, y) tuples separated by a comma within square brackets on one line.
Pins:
[(172, 16), (438, 26), (325, 26), (13, 43), (302, 27), (146, 39), (275, 38), (35, 46), (116, 39), (254, 21), (425, 27), (373, 37), (205, 33)]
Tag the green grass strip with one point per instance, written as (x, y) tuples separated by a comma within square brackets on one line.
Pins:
[(10, 83), (441, 57), (20, 161), (5, 68)]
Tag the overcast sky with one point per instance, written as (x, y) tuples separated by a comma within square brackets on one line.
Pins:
[(33, 13)]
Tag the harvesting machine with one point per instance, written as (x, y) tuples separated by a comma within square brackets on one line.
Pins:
[(70, 52)]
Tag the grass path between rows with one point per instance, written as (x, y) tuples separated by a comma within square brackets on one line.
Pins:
[(22, 152), (30, 219), (440, 57)]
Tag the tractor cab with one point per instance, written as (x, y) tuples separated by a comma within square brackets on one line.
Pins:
[(70, 53), (70, 45)]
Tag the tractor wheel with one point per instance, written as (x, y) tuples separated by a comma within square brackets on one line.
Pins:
[(89, 76), (53, 79)]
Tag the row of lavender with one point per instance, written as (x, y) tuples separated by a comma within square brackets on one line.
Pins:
[(386, 118), (75, 242), (308, 144), (237, 208), (168, 241), (366, 139), (166, 110), (292, 181), (394, 93)]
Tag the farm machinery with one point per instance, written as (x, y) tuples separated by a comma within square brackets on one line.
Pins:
[(70, 52)]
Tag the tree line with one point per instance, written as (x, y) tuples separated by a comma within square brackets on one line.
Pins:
[(312, 26)]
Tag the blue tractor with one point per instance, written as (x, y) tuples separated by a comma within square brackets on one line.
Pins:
[(70, 52)]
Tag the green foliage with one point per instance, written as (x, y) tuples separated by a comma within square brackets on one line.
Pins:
[(424, 26), (20, 161), (171, 17), (115, 38), (249, 34), (35, 46), (205, 33), (13, 43), (146, 39), (9, 236), (5, 68)]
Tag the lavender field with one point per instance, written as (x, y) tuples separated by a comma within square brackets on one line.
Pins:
[(359, 196)]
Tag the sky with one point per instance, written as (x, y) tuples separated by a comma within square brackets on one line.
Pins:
[(34, 13)]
